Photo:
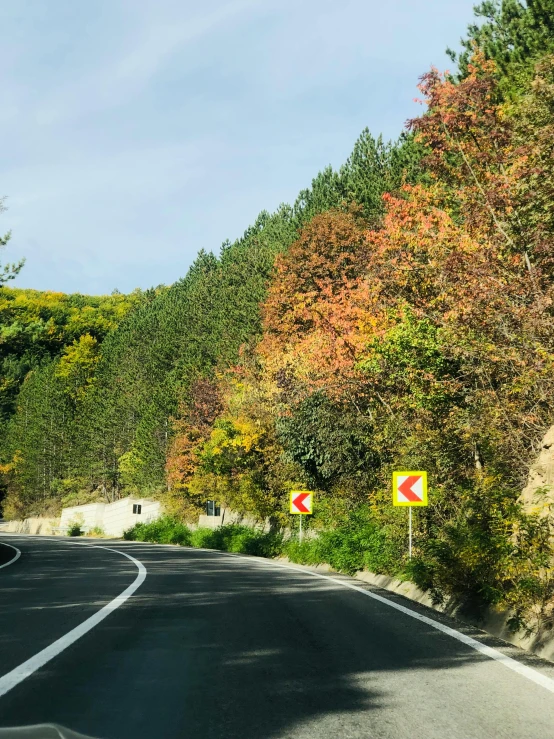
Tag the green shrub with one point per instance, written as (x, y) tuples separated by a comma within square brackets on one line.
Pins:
[(165, 530), (358, 543), (239, 539), (74, 529), (304, 553), (229, 538), (203, 538)]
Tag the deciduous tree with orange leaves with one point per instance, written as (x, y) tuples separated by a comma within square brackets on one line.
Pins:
[(310, 316)]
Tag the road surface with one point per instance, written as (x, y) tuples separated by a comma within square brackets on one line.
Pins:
[(212, 646)]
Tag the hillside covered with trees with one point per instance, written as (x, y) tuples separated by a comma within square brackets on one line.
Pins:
[(397, 316)]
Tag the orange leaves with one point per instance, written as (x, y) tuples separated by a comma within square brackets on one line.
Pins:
[(469, 138), (191, 430), (420, 254), (312, 309), (341, 286), (437, 319), (334, 290)]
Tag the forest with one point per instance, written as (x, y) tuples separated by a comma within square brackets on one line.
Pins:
[(398, 315)]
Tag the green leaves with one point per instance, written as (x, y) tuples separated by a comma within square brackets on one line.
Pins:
[(8, 271), (514, 35), (38, 442)]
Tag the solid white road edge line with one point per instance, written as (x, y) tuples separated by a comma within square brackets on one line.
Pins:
[(512, 664), (23, 671), (13, 559)]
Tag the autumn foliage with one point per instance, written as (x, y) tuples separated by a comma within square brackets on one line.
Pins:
[(423, 343), (399, 315), (311, 315)]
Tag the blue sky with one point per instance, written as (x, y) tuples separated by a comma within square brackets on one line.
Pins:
[(136, 132)]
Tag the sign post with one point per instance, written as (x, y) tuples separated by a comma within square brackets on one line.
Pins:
[(410, 533), (409, 489), (301, 503)]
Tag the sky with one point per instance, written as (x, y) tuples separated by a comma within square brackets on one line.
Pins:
[(137, 132)]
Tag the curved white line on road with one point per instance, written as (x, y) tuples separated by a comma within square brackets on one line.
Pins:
[(23, 671), (13, 559), (512, 664)]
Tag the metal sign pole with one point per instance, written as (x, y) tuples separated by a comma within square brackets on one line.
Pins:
[(300, 536), (410, 544)]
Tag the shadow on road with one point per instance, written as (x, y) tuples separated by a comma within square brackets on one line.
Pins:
[(216, 647)]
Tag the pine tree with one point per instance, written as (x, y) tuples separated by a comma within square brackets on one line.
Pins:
[(514, 35)]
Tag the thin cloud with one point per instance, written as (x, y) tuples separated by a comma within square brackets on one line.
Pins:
[(148, 49), (137, 132)]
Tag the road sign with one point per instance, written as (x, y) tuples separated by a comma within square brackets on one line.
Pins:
[(301, 501), (409, 488)]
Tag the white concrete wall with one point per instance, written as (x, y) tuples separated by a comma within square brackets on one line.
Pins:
[(212, 522), (112, 518), (36, 525), (119, 516), (89, 516), (228, 516)]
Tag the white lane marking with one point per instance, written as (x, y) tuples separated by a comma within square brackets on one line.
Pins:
[(528, 672), (24, 670), (13, 559)]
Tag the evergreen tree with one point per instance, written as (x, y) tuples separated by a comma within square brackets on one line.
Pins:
[(8, 271), (514, 35), (39, 441), (124, 374)]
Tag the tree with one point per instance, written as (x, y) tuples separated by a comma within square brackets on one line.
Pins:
[(514, 35), (37, 444), (8, 271), (468, 137), (190, 431), (531, 165), (37, 326), (77, 364), (308, 316), (492, 159), (375, 168)]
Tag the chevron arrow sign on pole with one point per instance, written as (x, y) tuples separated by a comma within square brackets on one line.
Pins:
[(301, 501), (409, 488)]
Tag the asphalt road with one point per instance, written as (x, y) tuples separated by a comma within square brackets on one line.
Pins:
[(219, 647)]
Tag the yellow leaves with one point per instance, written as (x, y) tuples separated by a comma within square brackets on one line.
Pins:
[(129, 466), (12, 467), (61, 317), (82, 353), (238, 434), (77, 363), (248, 433)]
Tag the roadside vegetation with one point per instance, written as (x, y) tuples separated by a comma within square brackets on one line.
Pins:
[(75, 529), (397, 316), (229, 538)]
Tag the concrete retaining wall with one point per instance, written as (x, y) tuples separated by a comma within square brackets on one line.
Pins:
[(493, 621), (87, 516), (37, 525), (227, 516), (112, 518)]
